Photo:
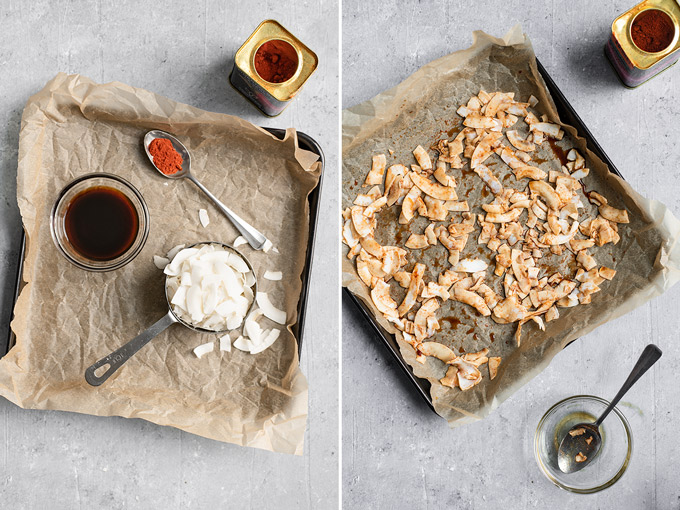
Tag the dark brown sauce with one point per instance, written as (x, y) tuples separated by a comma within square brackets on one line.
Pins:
[(470, 331), (101, 223), (454, 322), (558, 151), (493, 337)]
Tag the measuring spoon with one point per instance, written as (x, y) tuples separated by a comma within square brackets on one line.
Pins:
[(254, 237)]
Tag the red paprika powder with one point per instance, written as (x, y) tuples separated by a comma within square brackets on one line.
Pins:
[(276, 61), (165, 157), (652, 31)]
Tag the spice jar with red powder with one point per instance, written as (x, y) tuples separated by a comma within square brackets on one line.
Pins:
[(645, 41), (271, 67)]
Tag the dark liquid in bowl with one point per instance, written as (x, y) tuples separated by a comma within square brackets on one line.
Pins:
[(101, 223)]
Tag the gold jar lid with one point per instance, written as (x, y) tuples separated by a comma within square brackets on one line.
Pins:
[(621, 29), (270, 30)]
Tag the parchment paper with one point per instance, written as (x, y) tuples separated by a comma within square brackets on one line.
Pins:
[(421, 110), (67, 318)]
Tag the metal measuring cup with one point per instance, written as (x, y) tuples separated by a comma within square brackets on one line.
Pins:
[(117, 358)]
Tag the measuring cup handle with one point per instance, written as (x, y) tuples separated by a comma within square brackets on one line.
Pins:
[(116, 359)]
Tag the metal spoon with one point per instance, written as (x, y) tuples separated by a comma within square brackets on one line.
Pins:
[(581, 444), (254, 237), (115, 360)]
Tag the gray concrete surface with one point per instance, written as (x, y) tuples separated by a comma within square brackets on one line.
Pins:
[(181, 49), (396, 452)]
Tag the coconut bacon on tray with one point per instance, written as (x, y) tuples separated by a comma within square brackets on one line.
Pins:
[(540, 215)]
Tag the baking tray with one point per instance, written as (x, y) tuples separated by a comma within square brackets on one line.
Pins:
[(305, 142), (568, 116)]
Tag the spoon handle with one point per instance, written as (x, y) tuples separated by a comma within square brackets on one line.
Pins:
[(117, 358), (252, 235), (648, 357)]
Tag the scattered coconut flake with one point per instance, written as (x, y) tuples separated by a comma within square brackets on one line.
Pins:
[(243, 343), (268, 246), (225, 343), (174, 251), (273, 275), (267, 341), (204, 349), (203, 216), (471, 265), (275, 250), (160, 262), (251, 327), (269, 310), (239, 241)]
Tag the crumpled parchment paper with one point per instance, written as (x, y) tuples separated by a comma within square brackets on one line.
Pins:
[(422, 110), (67, 318)]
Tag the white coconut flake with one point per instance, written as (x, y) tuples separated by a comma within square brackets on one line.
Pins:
[(267, 341), (207, 289), (274, 276), (268, 246), (269, 310), (225, 343), (239, 241), (471, 265), (243, 343), (160, 262), (251, 327), (203, 349), (174, 251), (203, 217)]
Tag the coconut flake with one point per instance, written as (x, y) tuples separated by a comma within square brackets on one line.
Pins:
[(471, 266), (274, 276), (243, 343), (207, 288), (251, 327), (225, 343), (269, 310), (268, 246), (160, 262), (203, 217), (267, 341), (204, 349), (174, 251), (239, 241)]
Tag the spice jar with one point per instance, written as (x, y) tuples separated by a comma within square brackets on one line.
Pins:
[(645, 41), (271, 67)]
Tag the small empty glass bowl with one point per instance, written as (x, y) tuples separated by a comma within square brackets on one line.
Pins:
[(109, 196), (610, 462)]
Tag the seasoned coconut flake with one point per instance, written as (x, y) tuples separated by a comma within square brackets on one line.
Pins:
[(516, 242)]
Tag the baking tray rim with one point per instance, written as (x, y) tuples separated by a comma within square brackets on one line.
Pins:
[(304, 142), (571, 118)]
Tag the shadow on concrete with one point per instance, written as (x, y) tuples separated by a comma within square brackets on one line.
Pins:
[(403, 388), (588, 64)]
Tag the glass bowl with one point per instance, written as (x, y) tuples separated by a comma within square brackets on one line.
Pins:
[(610, 462), (64, 201)]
